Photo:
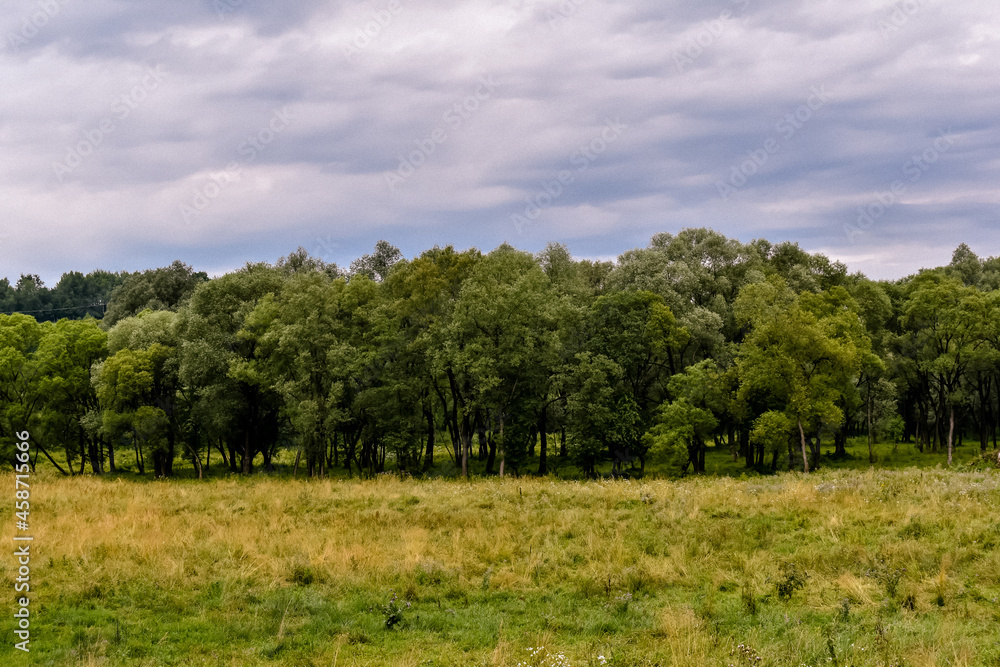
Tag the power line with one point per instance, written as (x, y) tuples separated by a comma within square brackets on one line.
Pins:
[(55, 310)]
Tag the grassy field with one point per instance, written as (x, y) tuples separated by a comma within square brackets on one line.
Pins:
[(718, 463), (843, 567)]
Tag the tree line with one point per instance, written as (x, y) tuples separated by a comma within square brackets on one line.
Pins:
[(761, 350)]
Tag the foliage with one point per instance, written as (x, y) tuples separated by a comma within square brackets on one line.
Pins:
[(392, 612), (790, 580), (505, 362)]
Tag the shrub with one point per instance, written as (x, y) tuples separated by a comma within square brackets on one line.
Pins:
[(792, 579), (393, 611)]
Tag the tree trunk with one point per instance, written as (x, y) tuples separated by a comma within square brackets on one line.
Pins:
[(246, 452), (491, 456), (502, 448), (543, 447), (140, 464), (429, 451), (805, 456), (96, 464), (111, 457), (840, 442), (168, 459), (951, 433), (465, 438), (39, 448), (871, 439)]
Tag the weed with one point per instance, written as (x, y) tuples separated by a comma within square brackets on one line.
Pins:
[(749, 599), (831, 648), (622, 602), (540, 657), (745, 656), (302, 575), (844, 611), (792, 579), (886, 575), (392, 611)]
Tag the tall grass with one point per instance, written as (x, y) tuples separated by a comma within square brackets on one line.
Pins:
[(893, 567)]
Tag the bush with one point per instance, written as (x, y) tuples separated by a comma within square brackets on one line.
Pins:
[(792, 579), (393, 611)]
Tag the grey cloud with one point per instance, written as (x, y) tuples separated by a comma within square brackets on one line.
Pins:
[(701, 91)]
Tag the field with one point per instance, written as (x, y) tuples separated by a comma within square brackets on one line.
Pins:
[(843, 567)]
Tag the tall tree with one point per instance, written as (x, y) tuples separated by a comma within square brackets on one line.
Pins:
[(803, 351), (165, 288)]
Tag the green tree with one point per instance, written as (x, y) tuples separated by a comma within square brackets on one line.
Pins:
[(66, 352), (500, 349), (602, 416), (241, 418), (165, 288), (943, 322), (772, 433), (802, 351), (306, 348), (376, 265), (684, 423)]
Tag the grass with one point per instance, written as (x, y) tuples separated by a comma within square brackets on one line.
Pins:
[(719, 463), (843, 567)]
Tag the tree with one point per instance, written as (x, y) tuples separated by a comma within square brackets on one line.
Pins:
[(639, 333), (944, 324), (124, 384), (306, 348), (802, 351), (20, 395), (66, 352), (685, 422), (680, 432), (166, 288), (602, 416), (500, 348), (377, 265), (772, 433), (240, 417)]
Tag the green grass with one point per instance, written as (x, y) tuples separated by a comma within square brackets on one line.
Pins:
[(719, 463), (903, 567)]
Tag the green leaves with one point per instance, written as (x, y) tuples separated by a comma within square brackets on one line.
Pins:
[(801, 354)]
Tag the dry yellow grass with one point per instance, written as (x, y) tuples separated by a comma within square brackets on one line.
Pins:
[(656, 571)]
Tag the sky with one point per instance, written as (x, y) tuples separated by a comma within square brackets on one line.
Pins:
[(217, 132)]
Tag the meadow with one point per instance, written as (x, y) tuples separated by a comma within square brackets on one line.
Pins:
[(841, 567)]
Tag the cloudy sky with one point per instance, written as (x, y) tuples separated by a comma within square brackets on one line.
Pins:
[(134, 132)]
